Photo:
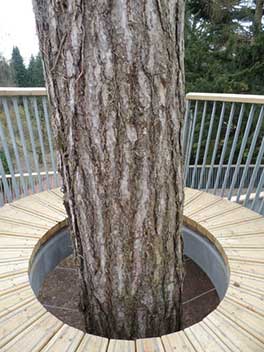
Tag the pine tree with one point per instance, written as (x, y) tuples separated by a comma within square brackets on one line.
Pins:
[(20, 72), (223, 50), (6, 73), (35, 72), (30, 71)]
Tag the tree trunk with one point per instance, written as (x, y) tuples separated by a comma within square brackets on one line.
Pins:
[(258, 15), (115, 78)]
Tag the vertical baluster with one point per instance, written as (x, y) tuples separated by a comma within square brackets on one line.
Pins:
[(2, 200), (36, 112), (251, 151), (9, 161), (207, 145), (7, 192), (222, 158), (255, 172), (186, 167), (54, 168), (241, 152), (23, 141), (219, 128), (258, 191), (199, 144), (186, 125), (233, 148), (191, 141), (13, 139), (32, 141)]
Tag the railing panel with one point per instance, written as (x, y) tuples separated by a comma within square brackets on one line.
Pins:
[(26, 143), (223, 145), (32, 141), (228, 159)]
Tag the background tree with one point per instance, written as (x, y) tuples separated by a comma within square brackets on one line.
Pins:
[(114, 71), (223, 51), (6, 73), (35, 72), (258, 16), (20, 72)]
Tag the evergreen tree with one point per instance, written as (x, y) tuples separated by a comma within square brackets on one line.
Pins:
[(6, 73), (223, 50), (35, 72), (30, 71), (20, 72)]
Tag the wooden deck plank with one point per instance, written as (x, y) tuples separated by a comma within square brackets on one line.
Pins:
[(17, 242), (17, 321), (36, 209), (16, 231), (246, 254), (149, 345), (93, 343), (9, 269), (190, 195), (35, 336), (252, 269), (177, 342), (231, 334), (232, 225), (14, 215), (247, 282), (121, 346), (50, 200), (253, 301), (198, 201), (15, 299), (11, 254), (236, 324), (203, 339), (243, 317), (236, 216), (250, 241), (216, 208), (57, 192), (11, 283), (66, 339), (37, 213)]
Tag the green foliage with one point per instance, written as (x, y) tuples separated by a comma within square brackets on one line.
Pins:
[(223, 51), (35, 72), (6, 73), (19, 68), (16, 74), (4, 162)]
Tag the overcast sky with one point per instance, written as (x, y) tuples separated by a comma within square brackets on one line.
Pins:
[(17, 28)]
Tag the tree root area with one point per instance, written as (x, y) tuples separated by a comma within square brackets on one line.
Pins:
[(60, 294)]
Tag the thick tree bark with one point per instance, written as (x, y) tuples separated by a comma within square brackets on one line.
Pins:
[(114, 72)]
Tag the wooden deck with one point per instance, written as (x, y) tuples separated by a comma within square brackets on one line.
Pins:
[(236, 325)]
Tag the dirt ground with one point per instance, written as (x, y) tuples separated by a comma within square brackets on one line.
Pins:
[(60, 294)]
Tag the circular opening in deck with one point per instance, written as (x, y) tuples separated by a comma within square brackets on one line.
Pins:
[(207, 278)]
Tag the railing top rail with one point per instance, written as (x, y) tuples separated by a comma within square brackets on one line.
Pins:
[(234, 98), (15, 91)]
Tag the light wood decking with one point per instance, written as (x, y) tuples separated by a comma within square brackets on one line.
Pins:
[(236, 325)]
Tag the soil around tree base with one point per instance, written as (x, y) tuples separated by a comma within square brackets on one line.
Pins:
[(60, 294)]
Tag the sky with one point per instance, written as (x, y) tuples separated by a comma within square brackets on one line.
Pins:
[(17, 28)]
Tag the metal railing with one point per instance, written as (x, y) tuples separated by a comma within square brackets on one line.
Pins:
[(27, 159), (223, 145)]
